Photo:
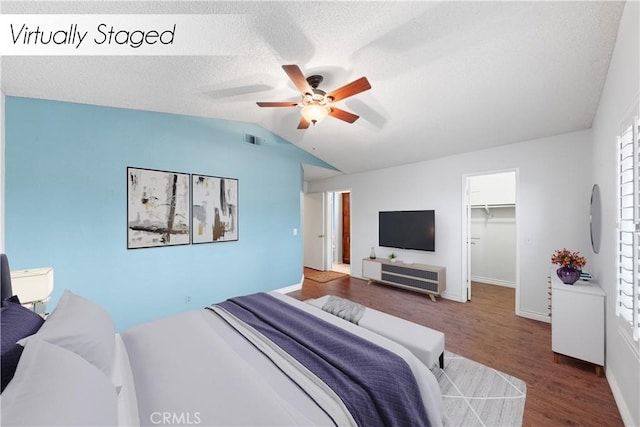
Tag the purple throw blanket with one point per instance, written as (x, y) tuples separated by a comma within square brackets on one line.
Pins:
[(376, 385)]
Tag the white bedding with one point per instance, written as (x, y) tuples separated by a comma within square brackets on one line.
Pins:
[(195, 369), (188, 369), (193, 365), (122, 379)]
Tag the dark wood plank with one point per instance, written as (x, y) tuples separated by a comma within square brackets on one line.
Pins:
[(488, 331)]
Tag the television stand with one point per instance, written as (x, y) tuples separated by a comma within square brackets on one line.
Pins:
[(428, 279)]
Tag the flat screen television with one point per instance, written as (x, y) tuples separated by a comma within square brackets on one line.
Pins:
[(407, 230)]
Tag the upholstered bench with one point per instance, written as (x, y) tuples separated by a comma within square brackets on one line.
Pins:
[(425, 343)]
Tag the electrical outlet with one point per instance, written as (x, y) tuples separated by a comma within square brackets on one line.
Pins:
[(187, 299)]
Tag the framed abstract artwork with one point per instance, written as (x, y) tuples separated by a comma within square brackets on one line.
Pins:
[(214, 209), (157, 208)]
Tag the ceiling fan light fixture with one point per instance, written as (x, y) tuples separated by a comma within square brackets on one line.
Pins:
[(316, 104), (315, 113)]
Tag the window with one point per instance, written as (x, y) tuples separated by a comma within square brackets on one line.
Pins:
[(628, 230)]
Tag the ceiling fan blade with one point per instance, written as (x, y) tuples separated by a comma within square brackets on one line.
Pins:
[(343, 115), (304, 124), (277, 104), (350, 89), (298, 79)]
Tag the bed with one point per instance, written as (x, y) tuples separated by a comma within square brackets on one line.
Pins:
[(233, 363)]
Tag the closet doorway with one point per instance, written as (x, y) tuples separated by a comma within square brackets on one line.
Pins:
[(490, 230)]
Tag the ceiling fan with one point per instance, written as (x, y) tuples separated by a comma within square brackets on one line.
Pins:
[(317, 104)]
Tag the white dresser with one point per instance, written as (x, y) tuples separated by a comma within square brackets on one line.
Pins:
[(577, 321)]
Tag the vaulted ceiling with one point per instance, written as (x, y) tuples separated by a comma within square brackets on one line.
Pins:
[(447, 77)]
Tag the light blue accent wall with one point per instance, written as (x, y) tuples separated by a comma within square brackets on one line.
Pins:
[(66, 205)]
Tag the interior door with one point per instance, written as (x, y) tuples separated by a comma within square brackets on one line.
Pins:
[(346, 228), (469, 242), (314, 232)]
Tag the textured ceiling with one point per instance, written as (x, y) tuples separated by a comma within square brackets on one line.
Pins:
[(447, 77)]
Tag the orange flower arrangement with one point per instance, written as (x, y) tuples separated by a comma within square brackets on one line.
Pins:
[(566, 258)]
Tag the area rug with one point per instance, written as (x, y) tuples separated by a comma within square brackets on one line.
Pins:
[(477, 395), (322, 276)]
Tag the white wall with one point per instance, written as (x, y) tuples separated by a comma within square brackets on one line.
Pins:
[(493, 189), (1, 171), (553, 207), (620, 93)]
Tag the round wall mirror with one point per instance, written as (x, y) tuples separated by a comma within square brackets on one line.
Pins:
[(596, 218)]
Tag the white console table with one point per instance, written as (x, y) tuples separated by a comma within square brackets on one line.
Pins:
[(577, 321), (423, 278)]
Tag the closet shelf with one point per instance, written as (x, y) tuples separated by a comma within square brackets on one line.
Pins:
[(490, 206), (487, 207)]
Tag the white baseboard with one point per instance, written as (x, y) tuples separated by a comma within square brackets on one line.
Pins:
[(490, 281), (451, 297), (291, 288), (534, 315), (625, 414)]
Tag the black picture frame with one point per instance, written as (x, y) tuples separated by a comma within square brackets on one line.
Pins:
[(214, 209), (158, 208)]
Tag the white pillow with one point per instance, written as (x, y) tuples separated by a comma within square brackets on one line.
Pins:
[(122, 377), (56, 387), (81, 326)]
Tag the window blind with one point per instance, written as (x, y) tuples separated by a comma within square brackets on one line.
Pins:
[(628, 296)]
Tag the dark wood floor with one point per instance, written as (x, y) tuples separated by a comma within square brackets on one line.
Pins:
[(488, 331)]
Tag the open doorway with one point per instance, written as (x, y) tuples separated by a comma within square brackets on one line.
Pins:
[(341, 231), (490, 227), (327, 231)]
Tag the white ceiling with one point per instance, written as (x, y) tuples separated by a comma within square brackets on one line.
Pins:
[(447, 77)]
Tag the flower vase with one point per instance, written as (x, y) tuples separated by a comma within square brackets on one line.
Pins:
[(372, 254), (568, 275)]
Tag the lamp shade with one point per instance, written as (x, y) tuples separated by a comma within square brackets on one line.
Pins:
[(33, 285), (315, 113)]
